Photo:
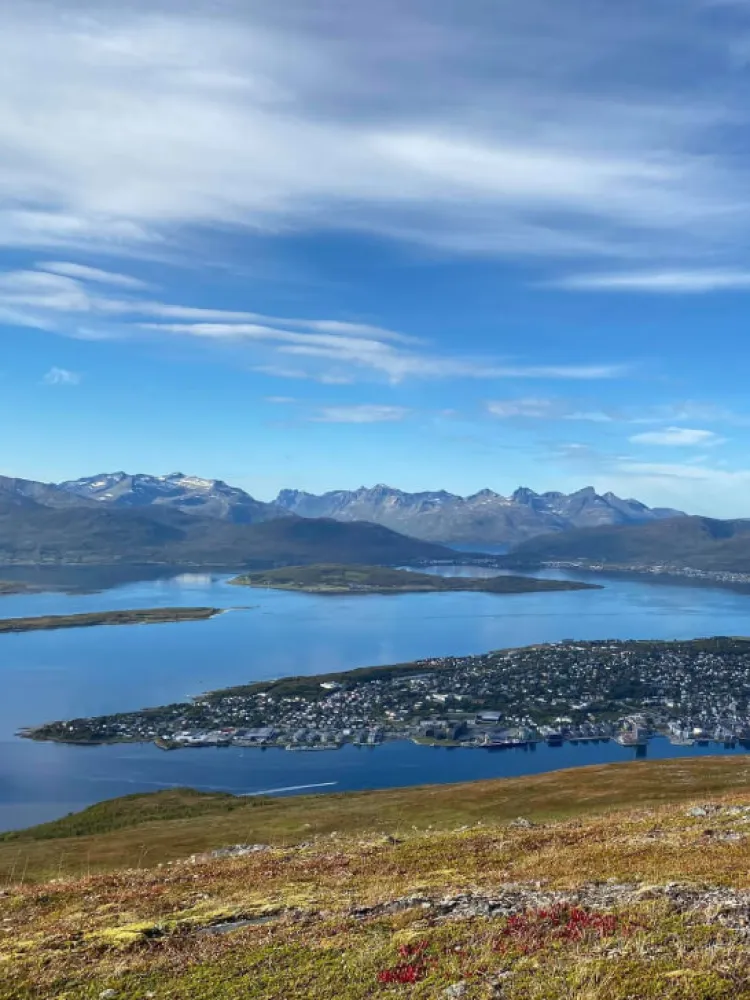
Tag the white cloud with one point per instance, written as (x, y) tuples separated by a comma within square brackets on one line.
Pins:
[(659, 282), (677, 437), (150, 118), (72, 270), (534, 408), (590, 416), (324, 377), (327, 350), (61, 376), (360, 414), (545, 409), (280, 400), (692, 473)]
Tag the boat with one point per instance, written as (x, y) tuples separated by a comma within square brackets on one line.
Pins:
[(631, 739), (681, 741)]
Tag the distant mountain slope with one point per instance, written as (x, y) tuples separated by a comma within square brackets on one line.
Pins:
[(483, 518), (696, 542), (189, 494), (20, 492), (32, 534)]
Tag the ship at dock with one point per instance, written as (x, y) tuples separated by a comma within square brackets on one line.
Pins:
[(634, 732)]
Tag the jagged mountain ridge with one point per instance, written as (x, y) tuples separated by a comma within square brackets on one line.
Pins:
[(189, 494), (43, 524), (485, 517)]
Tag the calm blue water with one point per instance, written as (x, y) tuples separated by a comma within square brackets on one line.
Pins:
[(52, 675)]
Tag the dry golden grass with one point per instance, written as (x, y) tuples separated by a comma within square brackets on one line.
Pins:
[(146, 830), (312, 932)]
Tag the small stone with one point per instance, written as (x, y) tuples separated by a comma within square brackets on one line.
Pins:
[(455, 992), (521, 823), (107, 994)]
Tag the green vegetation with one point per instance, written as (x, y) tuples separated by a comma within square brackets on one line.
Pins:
[(702, 543), (32, 534), (343, 579), (150, 829), (17, 587), (145, 616), (623, 882)]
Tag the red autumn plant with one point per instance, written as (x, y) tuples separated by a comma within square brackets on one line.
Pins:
[(533, 930), (408, 971)]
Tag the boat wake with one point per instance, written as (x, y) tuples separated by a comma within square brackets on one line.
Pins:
[(290, 788)]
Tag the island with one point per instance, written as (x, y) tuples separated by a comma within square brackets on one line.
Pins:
[(8, 587), (139, 616), (691, 691), (334, 578)]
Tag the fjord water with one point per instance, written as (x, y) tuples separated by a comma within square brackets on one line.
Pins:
[(87, 671)]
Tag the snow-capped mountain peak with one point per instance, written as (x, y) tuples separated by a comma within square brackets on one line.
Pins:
[(190, 494)]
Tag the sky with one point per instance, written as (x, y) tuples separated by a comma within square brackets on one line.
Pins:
[(440, 244)]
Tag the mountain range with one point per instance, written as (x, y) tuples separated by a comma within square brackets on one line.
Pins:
[(186, 521), (44, 524), (484, 518)]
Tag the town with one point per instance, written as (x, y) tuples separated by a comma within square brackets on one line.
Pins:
[(690, 691)]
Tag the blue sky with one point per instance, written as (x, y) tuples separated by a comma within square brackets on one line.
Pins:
[(432, 243)]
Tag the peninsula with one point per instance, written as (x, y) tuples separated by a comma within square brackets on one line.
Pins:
[(334, 578), (696, 690), (139, 616)]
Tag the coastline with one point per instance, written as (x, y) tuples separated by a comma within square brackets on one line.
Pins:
[(359, 580), (448, 701), (145, 616)]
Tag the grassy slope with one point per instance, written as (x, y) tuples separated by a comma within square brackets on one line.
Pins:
[(335, 579), (155, 828), (699, 542), (139, 932)]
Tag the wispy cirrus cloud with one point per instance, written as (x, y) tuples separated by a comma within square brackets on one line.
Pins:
[(328, 350), (690, 282), (531, 408), (70, 269), (536, 409), (693, 473), (363, 413), (679, 437), (214, 106), (61, 376)]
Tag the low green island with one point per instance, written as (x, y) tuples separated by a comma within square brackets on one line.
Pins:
[(333, 578), (139, 616), (8, 587)]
